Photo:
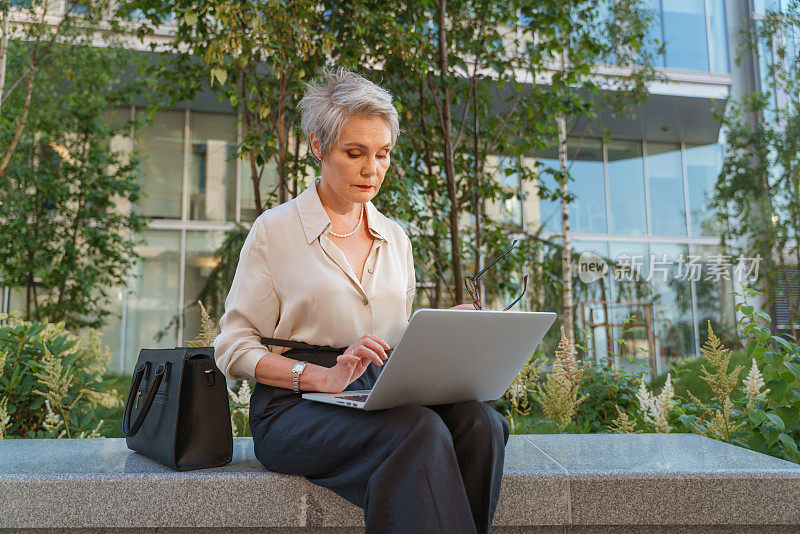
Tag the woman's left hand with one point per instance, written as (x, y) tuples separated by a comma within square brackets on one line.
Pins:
[(464, 307)]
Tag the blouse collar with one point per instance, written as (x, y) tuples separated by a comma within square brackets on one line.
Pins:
[(315, 219)]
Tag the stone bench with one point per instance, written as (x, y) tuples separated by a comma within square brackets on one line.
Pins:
[(601, 483)]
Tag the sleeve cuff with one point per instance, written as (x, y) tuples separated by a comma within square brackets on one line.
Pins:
[(245, 365)]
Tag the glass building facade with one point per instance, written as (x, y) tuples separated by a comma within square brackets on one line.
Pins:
[(646, 206), (192, 189)]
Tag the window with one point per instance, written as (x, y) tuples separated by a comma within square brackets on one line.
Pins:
[(212, 169), (588, 211), (200, 261), (685, 34), (712, 287), (597, 290), (719, 39), (665, 179), (510, 212), (268, 188), (765, 65), (161, 148), (672, 304), (585, 166), (703, 164), (687, 28), (789, 288), (627, 206), (77, 6), (153, 299), (548, 216)]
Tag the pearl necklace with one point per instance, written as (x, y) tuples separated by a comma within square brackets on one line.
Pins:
[(360, 216)]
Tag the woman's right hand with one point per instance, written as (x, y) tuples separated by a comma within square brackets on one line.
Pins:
[(351, 364)]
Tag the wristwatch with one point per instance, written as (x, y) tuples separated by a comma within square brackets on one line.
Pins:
[(296, 372)]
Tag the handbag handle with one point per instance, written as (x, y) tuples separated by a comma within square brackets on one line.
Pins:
[(130, 430)]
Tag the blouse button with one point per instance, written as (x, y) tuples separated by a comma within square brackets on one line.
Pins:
[(365, 302), (369, 270)]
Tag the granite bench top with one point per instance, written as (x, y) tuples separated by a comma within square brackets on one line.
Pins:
[(549, 481)]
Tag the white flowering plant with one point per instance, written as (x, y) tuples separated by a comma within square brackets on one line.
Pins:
[(771, 401), (51, 381)]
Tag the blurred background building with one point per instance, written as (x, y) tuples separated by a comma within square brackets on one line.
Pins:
[(642, 193)]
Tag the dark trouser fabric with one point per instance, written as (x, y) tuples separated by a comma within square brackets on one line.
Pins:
[(413, 469)]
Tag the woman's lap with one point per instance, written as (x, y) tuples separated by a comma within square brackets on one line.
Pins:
[(315, 439)]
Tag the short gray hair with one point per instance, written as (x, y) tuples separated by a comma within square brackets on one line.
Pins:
[(338, 96)]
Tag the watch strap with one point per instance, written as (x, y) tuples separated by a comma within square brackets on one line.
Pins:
[(297, 370)]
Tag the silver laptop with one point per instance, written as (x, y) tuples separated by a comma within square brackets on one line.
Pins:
[(449, 356)]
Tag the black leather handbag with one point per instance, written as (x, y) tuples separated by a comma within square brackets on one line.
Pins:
[(179, 404)]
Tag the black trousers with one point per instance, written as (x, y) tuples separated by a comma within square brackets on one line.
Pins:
[(413, 469)]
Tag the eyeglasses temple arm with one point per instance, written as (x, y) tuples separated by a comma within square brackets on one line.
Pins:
[(524, 287), (514, 244)]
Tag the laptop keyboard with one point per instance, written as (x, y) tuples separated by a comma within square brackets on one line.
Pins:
[(358, 398)]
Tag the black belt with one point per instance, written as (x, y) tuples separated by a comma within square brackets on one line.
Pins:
[(300, 345)]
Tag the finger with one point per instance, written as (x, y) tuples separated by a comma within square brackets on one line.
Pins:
[(375, 346), (348, 358), (380, 341), (368, 353)]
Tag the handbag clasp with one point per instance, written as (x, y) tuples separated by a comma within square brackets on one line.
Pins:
[(210, 376)]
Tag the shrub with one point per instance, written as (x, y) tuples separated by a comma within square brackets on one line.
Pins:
[(763, 413), (607, 388), (51, 381), (687, 376), (770, 417)]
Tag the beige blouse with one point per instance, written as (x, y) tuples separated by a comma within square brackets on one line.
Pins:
[(292, 282)]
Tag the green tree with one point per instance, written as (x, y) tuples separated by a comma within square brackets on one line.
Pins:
[(601, 63), (470, 84), (758, 190), (473, 83), (254, 63), (66, 235), (42, 26)]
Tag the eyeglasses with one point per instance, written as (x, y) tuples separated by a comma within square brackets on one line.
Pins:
[(472, 283)]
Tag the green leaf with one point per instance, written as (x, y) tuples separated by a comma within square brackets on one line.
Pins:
[(757, 416), (750, 347), (747, 310), (794, 368), (789, 445), (777, 390), (776, 420), (757, 442), (220, 74), (687, 420), (770, 434), (190, 17), (789, 415), (85, 419)]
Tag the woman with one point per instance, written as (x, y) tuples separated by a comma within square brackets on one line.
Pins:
[(328, 269)]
